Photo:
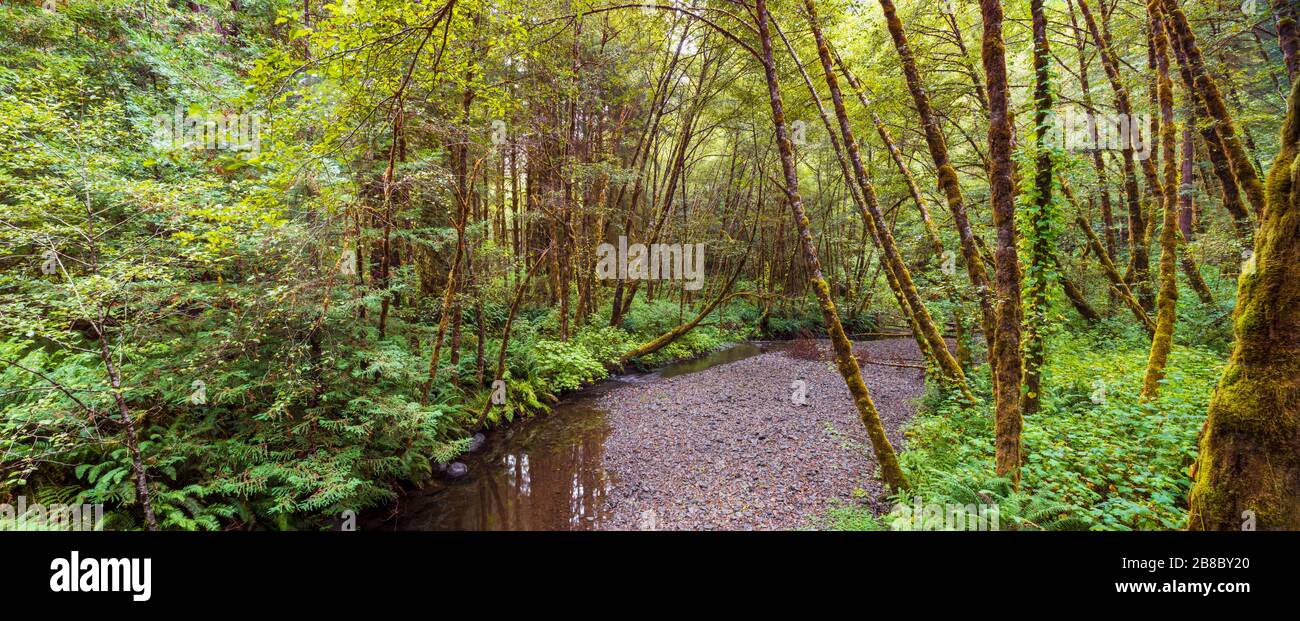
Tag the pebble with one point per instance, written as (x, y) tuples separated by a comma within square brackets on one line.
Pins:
[(678, 447)]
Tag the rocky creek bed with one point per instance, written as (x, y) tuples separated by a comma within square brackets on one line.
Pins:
[(727, 448), (711, 444)]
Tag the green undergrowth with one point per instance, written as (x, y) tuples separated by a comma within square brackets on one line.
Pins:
[(1095, 456), (265, 395)]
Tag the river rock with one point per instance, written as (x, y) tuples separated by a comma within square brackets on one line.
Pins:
[(476, 442), (457, 469)]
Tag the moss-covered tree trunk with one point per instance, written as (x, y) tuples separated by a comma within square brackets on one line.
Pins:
[(1250, 448), (1229, 191), (1208, 91), (855, 192), (1167, 299), (663, 340), (1116, 279), (1139, 261), (890, 471), (1076, 296), (1041, 252), (923, 209), (944, 170), (948, 366), (1193, 272), (1098, 164), (1006, 354)]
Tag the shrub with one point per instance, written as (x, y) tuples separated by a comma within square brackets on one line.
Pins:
[(606, 344), (654, 318), (1095, 452), (565, 366)]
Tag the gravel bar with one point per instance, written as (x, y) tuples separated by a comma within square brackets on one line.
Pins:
[(728, 449)]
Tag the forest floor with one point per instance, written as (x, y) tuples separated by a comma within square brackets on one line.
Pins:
[(727, 447)]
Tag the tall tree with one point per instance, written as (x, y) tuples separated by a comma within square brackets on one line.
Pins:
[(1167, 300), (1208, 91), (1248, 469), (1006, 356), (944, 170), (1139, 262), (948, 366), (890, 471), (1040, 220)]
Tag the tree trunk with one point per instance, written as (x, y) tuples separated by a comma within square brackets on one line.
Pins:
[(1207, 90), (931, 229), (855, 192), (1167, 300), (1098, 164), (948, 366), (1249, 462), (1117, 283), (1040, 220), (1230, 191), (127, 422), (1139, 261), (944, 170), (1005, 349), (890, 471), (1288, 37), (520, 288)]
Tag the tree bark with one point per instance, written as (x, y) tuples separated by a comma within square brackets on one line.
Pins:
[(127, 422), (520, 288), (1006, 354), (1249, 462), (1229, 190), (1167, 299), (890, 470)]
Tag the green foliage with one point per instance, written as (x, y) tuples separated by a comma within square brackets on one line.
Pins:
[(1094, 446), (946, 502), (699, 341), (193, 268), (789, 323), (654, 318), (606, 344), (174, 266), (566, 366)]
